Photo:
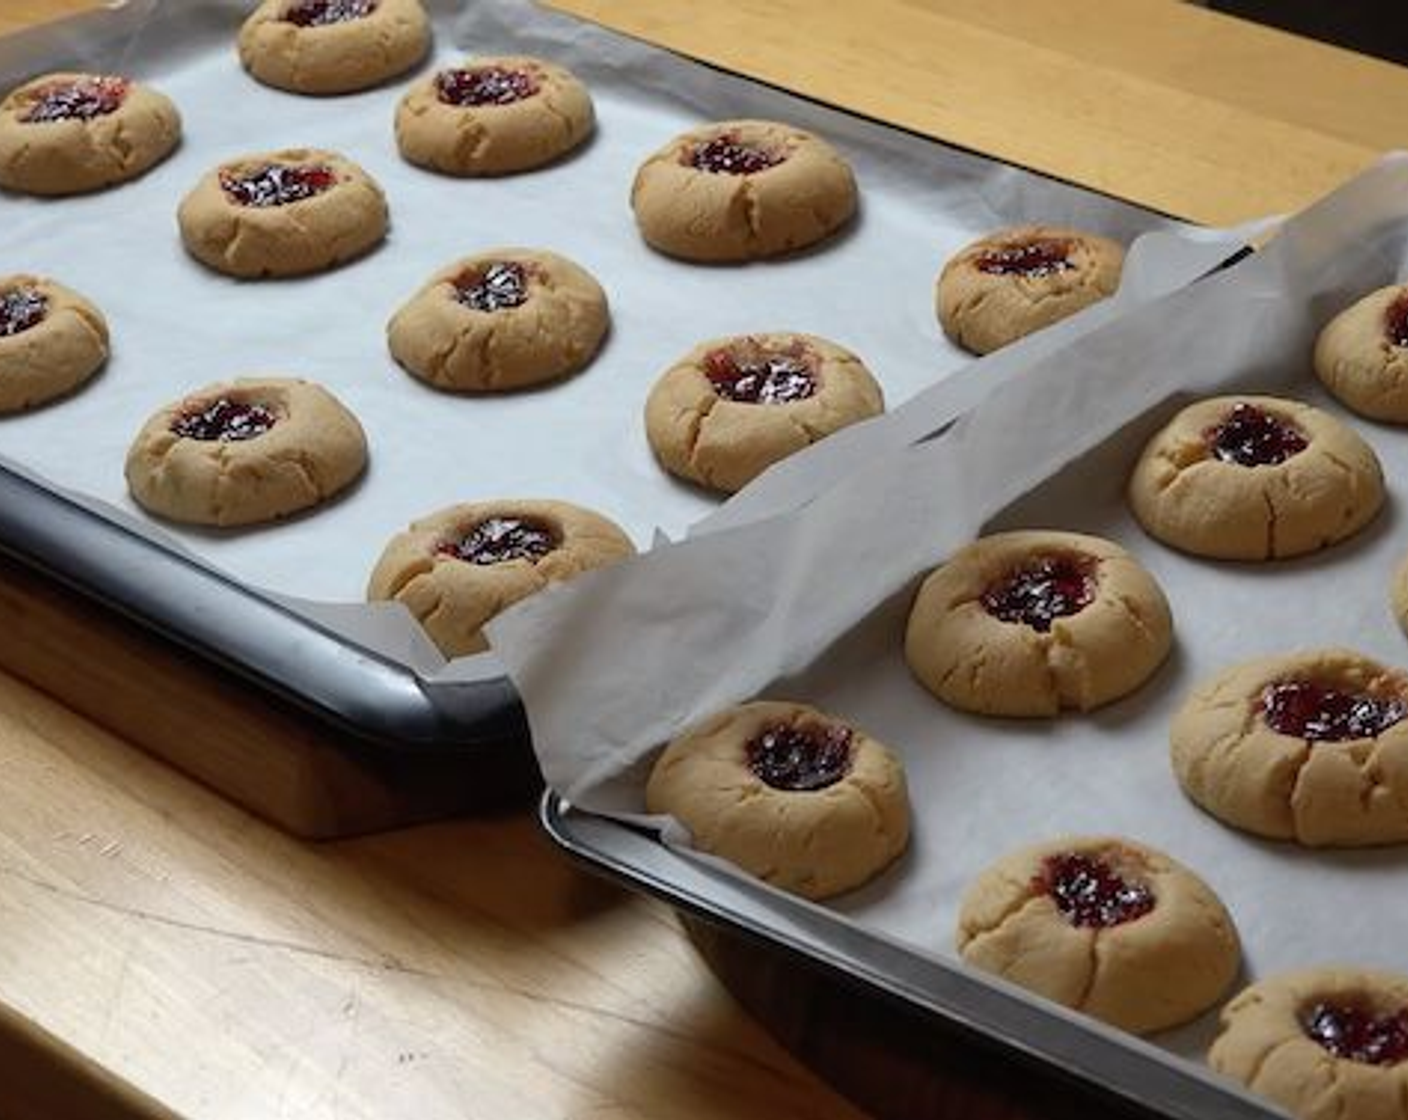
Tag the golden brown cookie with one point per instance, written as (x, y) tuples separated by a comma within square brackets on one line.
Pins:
[(732, 407), (333, 46), (1027, 623), (742, 190), (243, 452), (282, 213), (493, 115), (459, 567), (67, 133), (1309, 746), (1255, 478), (792, 795), (52, 340), (1323, 1043), (1104, 925), (501, 319), (1016, 281), (1362, 355)]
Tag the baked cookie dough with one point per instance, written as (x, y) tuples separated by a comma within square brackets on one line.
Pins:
[(1016, 281), (742, 190), (732, 407), (493, 116), (52, 340), (333, 46), (1309, 746), (1103, 925), (501, 319), (243, 452), (1398, 593), (797, 797), (1255, 478), (67, 133), (1030, 622), (1324, 1043), (1362, 355), (282, 213), (457, 568)]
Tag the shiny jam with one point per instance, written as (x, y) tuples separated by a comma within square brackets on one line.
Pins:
[(224, 420), (1033, 258), (1320, 714), (1396, 320), (1251, 437), (498, 539), (277, 184), (1352, 1031), (801, 758), (728, 155), (1090, 893), (495, 287), (20, 309), (81, 99), (321, 13), (754, 374), (488, 85), (1043, 590)]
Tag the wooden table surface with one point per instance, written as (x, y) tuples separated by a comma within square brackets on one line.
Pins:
[(160, 949)]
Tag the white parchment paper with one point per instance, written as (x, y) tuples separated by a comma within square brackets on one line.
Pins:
[(812, 604), (177, 326)]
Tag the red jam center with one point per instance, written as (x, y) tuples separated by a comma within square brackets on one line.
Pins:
[(497, 539), (1396, 321), (277, 184), (20, 309), (1321, 714), (81, 100), (496, 287), (728, 155), (225, 420), (1250, 437), (320, 13), (801, 758), (1351, 1031), (1034, 258), (756, 375), (1090, 893), (1039, 592), (490, 85)]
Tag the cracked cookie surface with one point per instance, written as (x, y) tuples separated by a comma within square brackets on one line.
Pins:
[(1031, 622), (732, 407), (1255, 478), (1324, 1043), (332, 46), (1016, 281), (493, 115), (801, 799), (501, 319), (742, 190), (1306, 747), (52, 340), (245, 451), (1361, 356), (457, 568)]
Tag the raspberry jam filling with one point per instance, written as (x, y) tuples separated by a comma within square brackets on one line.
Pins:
[(277, 184), (1396, 321), (1350, 1030), (801, 758), (224, 420), (321, 13), (1043, 590), (754, 374), (495, 287), (487, 85), (20, 309), (1034, 258), (80, 99), (1090, 893), (728, 155), (1251, 437), (1320, 714), (497, 539)]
